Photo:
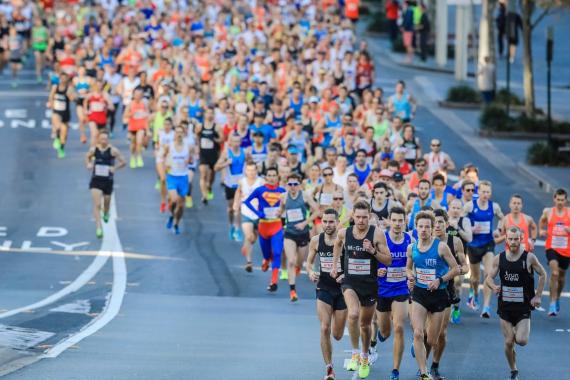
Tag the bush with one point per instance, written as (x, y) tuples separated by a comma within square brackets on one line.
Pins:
[(503, 95), (495, 118), (541, 153), (398, 45), (540, 125), (363, 10), (463, 94), (378, 23)]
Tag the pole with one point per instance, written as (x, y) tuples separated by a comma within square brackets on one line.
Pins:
[(461, 41), (441, 33), (549, 56), (511, 32)]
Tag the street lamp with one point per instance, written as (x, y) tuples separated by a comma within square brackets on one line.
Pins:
[(549, 55)]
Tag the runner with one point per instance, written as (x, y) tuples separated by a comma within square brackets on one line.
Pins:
[(430, 265), (270, 226), (96, 105), (176, 157), (249, 220), (59, 102), (323, 194), (414, 206), (393, 293), (555, 226), (331, 308), (137, 115), (165, 138), (517, 296), (516, 218), (102, 160), (40, 38), (232, 161), (481, 212), (299, 211), (364, 246), (381, 204), (82, 84), (209, 137)]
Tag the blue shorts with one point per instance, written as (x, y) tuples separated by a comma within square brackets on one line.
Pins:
[(178, 183)]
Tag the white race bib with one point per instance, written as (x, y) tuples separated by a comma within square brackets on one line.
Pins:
[(512, 294), (97, 107), (397, 274), (560, 242), (206, 143), (425, 275), (326, 199), (59, 105), (359, 267), (326, 264), (295, 215), (482, 227), (271, 212), (102, 170)]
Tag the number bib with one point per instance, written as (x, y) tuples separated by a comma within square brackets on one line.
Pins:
[(326, 199), (425, 275), (271, 212), (359, 267), (482, 228), (206, 143), (102, 170), (327, 264), (397, 274), (295, 215), (512, 294), (59, 105), (560, 237)]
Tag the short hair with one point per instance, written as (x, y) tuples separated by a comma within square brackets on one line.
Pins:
[(423, 180), (518, 196), (515, 230), (294, 176), (353, 175), (331, 211), (272, 169), (441, 213), (424, 215), (426, 208), (361, 205), (397, 210), (438, 177), (381, 185), (467, 183), (421, 160), (485, 183), (361, 151), (562, 192)]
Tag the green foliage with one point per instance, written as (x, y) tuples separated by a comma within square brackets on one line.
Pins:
[(378, 23), (495, 118), (463, 94), (364, 10), (541, 153), (503, 95)]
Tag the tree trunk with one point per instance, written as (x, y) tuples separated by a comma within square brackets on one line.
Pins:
[(487, 31), (527, 7)]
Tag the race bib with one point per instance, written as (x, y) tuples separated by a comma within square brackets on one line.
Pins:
[(396, 274), (97, 107), (206, 143), (425, 275), (482, 227), (271, 212), (140, 115), (102, 170), (512, 294), (359, 267), (295, 215), (59, 105), (560, 242), (326, 199), (326, 264)]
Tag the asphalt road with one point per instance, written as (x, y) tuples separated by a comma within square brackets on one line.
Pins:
[(188, 309)]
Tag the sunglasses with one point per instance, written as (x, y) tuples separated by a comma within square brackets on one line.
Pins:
[(469, 190), (327, 174), (435, 145), (293, 184), (338, 198)]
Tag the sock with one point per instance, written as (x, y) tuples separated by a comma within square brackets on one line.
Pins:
[(355, 351), (330, 365), (435, 365), (292, 287), (274, 275), (395, 371), (373, 343), (364, 355), (515, 372)]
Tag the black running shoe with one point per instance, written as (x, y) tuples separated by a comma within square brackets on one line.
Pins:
[(272, 288)]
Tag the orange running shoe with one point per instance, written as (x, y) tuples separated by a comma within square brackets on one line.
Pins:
[(293, 296), (162, 207), (297, 270), (265, 265)]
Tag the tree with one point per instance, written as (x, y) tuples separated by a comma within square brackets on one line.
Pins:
[(528, 24), (487, 31)]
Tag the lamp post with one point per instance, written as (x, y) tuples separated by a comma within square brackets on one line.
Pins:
[(549, 55)]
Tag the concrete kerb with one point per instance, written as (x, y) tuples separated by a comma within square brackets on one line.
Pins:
[(543, 183)]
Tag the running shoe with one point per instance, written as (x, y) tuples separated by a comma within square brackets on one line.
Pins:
[(265, 265), (552, 312), (395, 375), (189, 201), (106, 217), (60, 153), (514, 375), (470, 297), (99, 233), (353, 364), (364, 369), (293, 296), (249, 267), (381, 339), (232, 232), (284, 275), (56, 143), (330, 373), (372, 355), (162, 207), (176, 230), (412, 351), (238, 235), (474, 304), (140, 162), (157, 185), (210, 195), (272, 288), (486, 312), (455, 315), (425, 377), (170, 222), (558, 305), (434, 372), (133, 163)]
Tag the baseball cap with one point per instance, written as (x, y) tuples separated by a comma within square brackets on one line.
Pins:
[(398, 177), (386, 173), (313, 99)]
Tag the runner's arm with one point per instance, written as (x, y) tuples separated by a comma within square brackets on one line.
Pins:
[(89, 158), (382, 253), (539, 269), (237, 199), (543, 223), (223, 161), (460, 251), (313, 244), (468, 208), (120, 158), (490, 279), (410, 267), (465, 230), (446, 254), (337, 250)]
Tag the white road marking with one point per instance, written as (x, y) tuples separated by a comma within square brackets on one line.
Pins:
[(111, 243), (544, 293), (77, 307), (20, 338)]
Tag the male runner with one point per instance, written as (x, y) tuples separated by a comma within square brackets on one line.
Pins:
[(516, 218), (270, 226), (176, 157), (430, 265), (415, 205), (165, 138), (481, 212), (296, 206), (393, 292), (381, 204), (59, 102), (137, 114), (555, 226), (517, 297), (331, 307), (100, 159), (364, 246), (209, 137)]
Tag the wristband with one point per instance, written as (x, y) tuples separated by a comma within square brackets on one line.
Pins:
[(440, 280)]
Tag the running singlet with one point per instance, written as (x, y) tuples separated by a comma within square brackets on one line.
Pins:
[(164, 139), (295, 212), (97, 109), (246, 190), (557, 239), (522, 225), (402, 106), (381, 213), (517, 285), (139, 116), (178, 160), (362, 174), (104, 161), (234, 172), (361, 268), (61, 101), (325, 255), (429, 265), (258, 155), (269, 204), (208, 141), (482, 223), (395, 283), (415, 209)]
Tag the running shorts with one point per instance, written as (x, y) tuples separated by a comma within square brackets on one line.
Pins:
[(230, 192), (513, 317), (65, 116), (434, 301), (333, 298), (476, 253), (208, 158), (302, 240), (103, 184), (563, 261), (366, 298), (384, 304), (246, 219), (178, 183), (453, 298)]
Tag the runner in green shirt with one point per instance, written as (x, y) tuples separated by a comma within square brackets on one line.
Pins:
[(40, 37)]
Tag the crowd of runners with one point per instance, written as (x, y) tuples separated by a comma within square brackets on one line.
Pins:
[(277, 99)]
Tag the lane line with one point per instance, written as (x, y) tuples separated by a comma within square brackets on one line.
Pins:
[(111, 242), (128, 255)]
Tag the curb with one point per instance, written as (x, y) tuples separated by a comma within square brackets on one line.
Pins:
[(522, 135), (541, 181)]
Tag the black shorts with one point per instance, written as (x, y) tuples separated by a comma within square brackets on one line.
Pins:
[(434, 302), (366, 298), (384, 304), (209, 158), (513, 317), (16, 60), (476, 253), (453, 298), (563, 261), (230, 192), (301, 240), (105, 185), (79, 102), (333, 298), (65, 116)]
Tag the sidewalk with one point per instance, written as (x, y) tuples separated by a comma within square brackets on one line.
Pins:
[(433, 85)]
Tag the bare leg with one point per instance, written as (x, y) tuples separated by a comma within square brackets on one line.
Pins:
[(325, 312), (399, 312), (353, 305), (97, 194), (487, 292), (419, 317), (290, 248)]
